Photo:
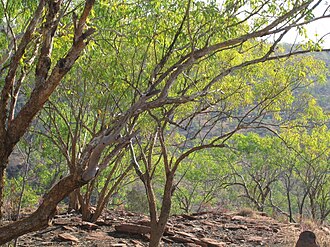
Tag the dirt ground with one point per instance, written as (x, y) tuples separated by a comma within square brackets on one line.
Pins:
[(214, 228)]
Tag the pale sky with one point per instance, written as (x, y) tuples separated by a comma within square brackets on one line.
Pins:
[(320, 27)]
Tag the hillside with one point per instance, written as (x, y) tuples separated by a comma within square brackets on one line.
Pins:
[(213, 228)]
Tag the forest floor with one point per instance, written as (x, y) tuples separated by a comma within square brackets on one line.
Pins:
[(214, 228)]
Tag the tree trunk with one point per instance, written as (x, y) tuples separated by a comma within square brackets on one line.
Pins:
[(302, 204), (157, 230), (74, 204), (3, 166), (289, 205), (2, 185), (156, 234), (313, 206), (42, 216)]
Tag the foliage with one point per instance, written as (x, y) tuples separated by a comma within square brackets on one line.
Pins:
[(199, 98)]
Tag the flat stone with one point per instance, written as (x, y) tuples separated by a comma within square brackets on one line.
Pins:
[(210, 223), (212, 242), (88, 225), (68, 228), (98, 236), (101, 222), (234, 227), (132, 228), (185, 234), (179, 239), (189, 217), (136, 243), (193, 245), (255, 239), (67, 237), (197, 229), (263, 227)]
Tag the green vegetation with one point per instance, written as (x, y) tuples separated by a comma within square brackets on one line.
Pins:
[(161, 107)]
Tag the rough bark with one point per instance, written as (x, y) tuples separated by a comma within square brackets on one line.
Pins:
[(158, 228), (4, 154), (74, 204), (3, 166), (11, 130)]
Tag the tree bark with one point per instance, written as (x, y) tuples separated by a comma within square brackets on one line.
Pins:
[(42, 217), (4, 154), (3, 166), (157, 230), (74, 204), (11, 130), (289, 205)]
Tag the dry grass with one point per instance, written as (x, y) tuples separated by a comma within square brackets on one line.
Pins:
[(290, 231), (322, 232), (246, 212)]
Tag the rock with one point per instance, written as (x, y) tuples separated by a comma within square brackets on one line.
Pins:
[(179, 239), (256, 239), (263, 228), (132, 228), (136, 243), (234, 227), (47, 243), (144, 222), (60, 221), (101, 222), (68, 228), (88, 225), (193, 245), (185, 234), (201, 213), (76, 219), (212, 242), (197, 229), (130, 214), (189, 217), (101, 236), (209, 223), (67, 237), (307, 239), (238, 218)]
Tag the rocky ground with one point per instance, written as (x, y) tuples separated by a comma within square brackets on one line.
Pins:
[(215, 228)]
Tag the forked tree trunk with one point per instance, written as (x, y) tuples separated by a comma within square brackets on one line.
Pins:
[(43, 215), (85, 202)]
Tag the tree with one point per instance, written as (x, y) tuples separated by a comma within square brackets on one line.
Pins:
[(28, 50), (189, 56), (256, 169), (311, 170), (200, 181), (180, 131)]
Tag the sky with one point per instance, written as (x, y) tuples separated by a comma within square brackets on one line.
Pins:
[(319, 28)]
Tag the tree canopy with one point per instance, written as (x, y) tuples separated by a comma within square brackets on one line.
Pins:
[(109, 90)]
